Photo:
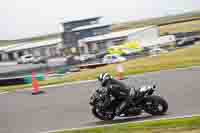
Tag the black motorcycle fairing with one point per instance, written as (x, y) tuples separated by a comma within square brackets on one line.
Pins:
[(138, 104)]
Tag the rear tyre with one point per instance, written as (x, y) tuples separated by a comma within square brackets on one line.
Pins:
[(155, 105)]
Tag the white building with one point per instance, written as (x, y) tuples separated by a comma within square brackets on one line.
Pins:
[(147, 36), (49, 48)]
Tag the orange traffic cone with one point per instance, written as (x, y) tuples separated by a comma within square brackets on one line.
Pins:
[(35, 84), (120, 76), (120, 72)]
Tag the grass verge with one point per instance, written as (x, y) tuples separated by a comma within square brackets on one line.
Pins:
[(183, 125), (181, 58)]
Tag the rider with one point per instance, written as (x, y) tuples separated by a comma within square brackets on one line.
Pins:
[(117, 89)]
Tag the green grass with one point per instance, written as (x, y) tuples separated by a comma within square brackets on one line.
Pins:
[(181, 58), (184, 125)]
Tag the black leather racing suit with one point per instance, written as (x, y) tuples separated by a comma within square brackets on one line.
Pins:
[(118, 89)]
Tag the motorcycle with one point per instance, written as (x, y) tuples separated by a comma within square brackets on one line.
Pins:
[(144, 101)]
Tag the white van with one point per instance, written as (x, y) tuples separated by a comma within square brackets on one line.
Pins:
[(157, 51)]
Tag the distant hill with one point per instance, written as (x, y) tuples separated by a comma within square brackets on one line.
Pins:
[(31, 39), (161, 21), (39, 38), (6, 42)]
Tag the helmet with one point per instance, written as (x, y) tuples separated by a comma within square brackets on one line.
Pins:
[(103, 77)]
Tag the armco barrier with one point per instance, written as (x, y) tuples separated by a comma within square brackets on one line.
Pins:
[(23, 76), (28, 78), (28, 71), (91, 66), (11, 81), (22, 72), (19, 80)]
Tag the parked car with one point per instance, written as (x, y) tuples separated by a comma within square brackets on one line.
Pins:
[(74, 69), (187, 41), (72, 60), (87, 57), (101, 54), (156, 51), (39, 59), (109, 59), (25, 59)]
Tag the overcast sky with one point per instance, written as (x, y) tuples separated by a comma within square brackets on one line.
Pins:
[(24, 18)]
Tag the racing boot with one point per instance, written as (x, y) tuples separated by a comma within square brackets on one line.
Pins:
[(120, 109)]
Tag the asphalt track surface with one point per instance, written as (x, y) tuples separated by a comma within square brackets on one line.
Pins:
[(67, 106)]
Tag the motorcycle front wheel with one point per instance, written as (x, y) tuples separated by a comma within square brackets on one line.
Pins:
[(155, 105), (105, 116)]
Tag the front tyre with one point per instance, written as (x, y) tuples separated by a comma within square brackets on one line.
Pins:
[(155, 105), (105, 116)]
